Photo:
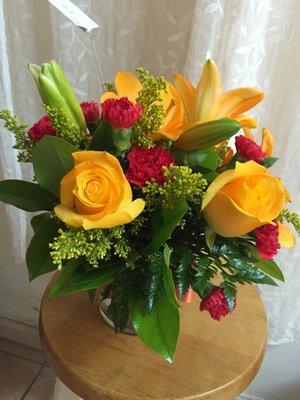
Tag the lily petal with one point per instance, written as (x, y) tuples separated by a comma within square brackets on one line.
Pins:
[(286, 237), (187, 92), (128, 85), (246, 121), (237, 101), (267, 143), (108, 95), (208, 92)]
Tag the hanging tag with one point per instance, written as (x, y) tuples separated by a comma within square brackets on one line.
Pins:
[(74, 14)]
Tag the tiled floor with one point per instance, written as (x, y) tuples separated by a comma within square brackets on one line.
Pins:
[(24, 374)]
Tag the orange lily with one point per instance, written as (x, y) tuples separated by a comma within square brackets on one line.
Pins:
[(128, 85), (206, 102)]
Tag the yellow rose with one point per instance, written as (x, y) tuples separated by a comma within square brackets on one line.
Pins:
[(243, 199), (96, 193)]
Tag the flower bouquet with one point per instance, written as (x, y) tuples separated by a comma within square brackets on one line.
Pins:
[(142, 196)]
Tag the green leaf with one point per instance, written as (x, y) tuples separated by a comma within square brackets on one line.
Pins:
[(154, 289), (183, 270), (204, 273), (230, 294), (268, 266), (118, 309), (210, 237), (80, 279), (168, 278), (27, 196), (164, 221), (52, 160), (210, 176), (37, 220), (102, 138), (63, 278), (249, 273), (269, 161), (158, 330), (206, 158), (271, 268), (38, 258)]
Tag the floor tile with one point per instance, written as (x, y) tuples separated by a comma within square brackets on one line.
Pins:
[(19, 333), (43, 388), (22, 351), (16, 374)]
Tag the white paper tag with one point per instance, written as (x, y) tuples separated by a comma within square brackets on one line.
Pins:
[(74, 14)]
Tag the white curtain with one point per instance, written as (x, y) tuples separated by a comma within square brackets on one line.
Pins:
[(254, 42)]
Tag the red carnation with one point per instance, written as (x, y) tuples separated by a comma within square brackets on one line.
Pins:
[(146, 164), (121, 113), (267, 241), (215, 303), (41, 128), (248, 149), (91, 111)]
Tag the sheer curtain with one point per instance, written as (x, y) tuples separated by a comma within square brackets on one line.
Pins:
[(254, 43)]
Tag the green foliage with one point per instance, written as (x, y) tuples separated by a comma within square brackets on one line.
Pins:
[(52, 160), (74, 277), (27, 196), (206, 158), (102, 139), (180, 182), (93, 245), (243, 266), (19, 130), (66, 128), (205, 271), (184, 276), (230, 293), (291, 217), (269, 161), (153, 110), (118, 308), (154, 290), (37, 220), (38, 258), (159, 329), (164, 221)]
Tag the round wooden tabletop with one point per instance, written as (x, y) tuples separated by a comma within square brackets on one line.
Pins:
[(214, 360)]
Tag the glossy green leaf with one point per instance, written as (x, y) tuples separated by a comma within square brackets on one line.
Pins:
[(182, 259), (102, 137), (168, 277), (27, 196), (164, 221), (37, 220), (73, 280), (206, 158), (159, 330), (38, 258), (268, 266), (210, 236), (269, 161), (52, 160)]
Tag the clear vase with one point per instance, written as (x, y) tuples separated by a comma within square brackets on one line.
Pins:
[(104, 311)]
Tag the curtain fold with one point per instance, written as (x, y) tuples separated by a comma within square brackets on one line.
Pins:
[(254, 42)]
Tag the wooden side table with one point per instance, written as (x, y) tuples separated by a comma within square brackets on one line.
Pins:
[(214, 360)]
